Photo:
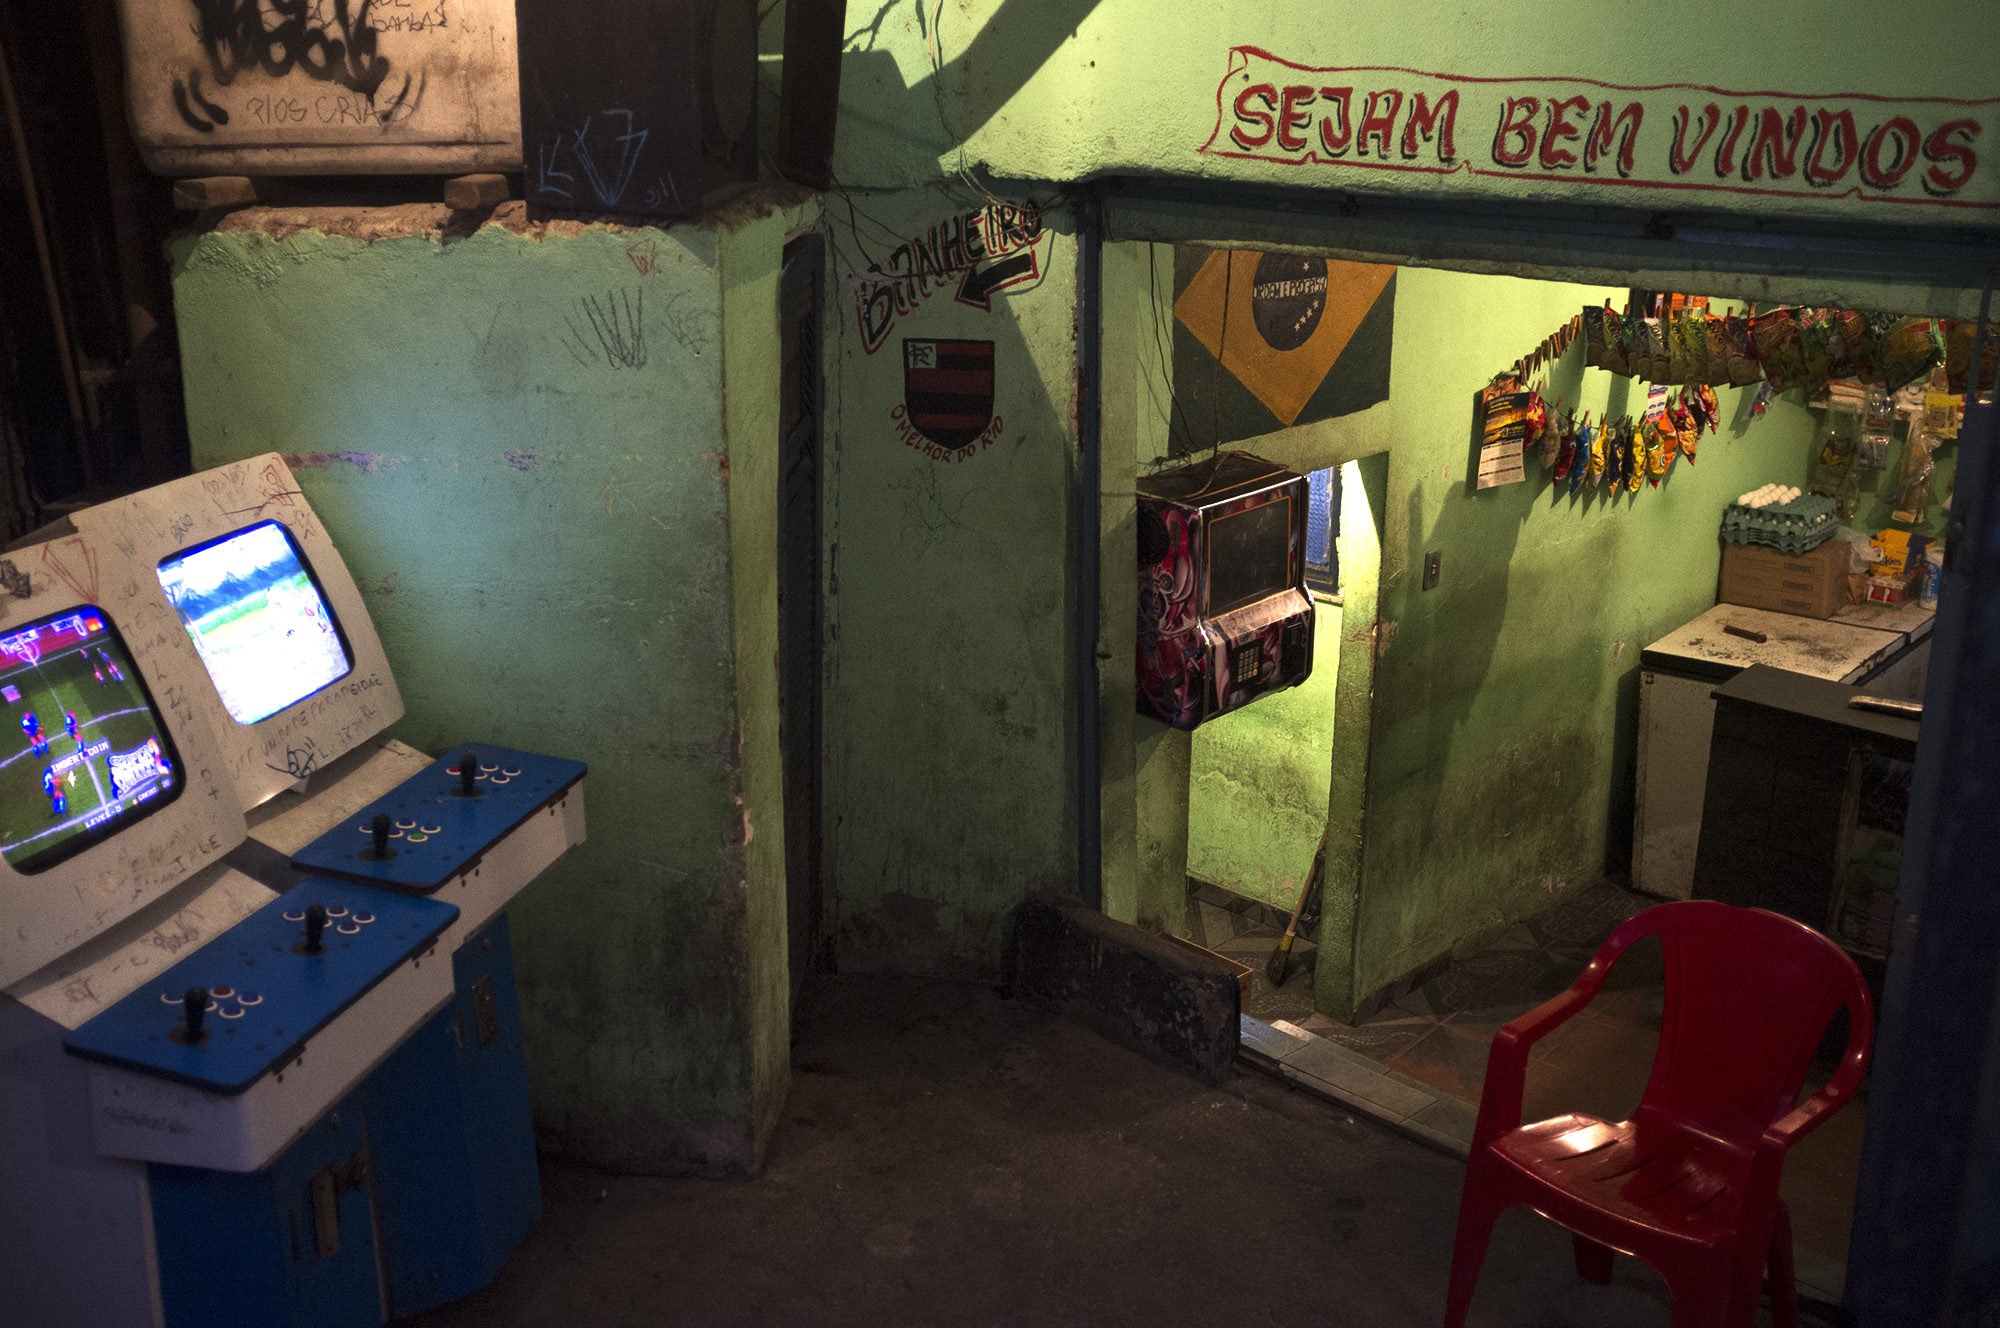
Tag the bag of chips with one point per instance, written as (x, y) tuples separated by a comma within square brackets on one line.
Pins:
[(1635, 451), (1958, 354), (1774, 339), (1580, 466), (1910, 350), (1600, 454), (1685, 430), (1594, 340), (1847, 331), (1814, 344), (1743, 369), (1610, 343)]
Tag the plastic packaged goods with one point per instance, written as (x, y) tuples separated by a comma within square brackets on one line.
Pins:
[(1847, 331), (1815, 336), (1717, 370), (1910, 350), (1774, 338), (1736, 339), (1933, 576), (1909, 494)]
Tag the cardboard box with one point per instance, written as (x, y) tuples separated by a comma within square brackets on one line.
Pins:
[(1813, 585)]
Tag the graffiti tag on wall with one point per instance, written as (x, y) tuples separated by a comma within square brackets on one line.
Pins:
[(1670, 137), (999, 247)]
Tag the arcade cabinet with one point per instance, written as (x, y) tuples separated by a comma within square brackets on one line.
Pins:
[(260, 1056), (1224, 615)]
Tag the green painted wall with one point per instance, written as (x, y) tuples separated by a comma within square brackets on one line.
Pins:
[(1261, 779), (1070, 89), (1506, 698), (566, 545), (950, 720)]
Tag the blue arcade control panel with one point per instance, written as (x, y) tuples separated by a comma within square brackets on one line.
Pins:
[(237, 1009), (440, 821)]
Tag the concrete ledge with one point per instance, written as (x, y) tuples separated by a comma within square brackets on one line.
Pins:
[(1173, 1005)]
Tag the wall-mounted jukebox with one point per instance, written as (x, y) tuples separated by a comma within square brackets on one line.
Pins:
[(1224, 616)]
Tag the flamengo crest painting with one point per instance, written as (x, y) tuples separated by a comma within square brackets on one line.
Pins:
[(948, 389)]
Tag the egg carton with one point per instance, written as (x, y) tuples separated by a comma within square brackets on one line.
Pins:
[(1794, 527)]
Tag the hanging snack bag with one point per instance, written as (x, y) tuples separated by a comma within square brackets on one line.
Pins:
[(1774, 337), (1548, 441), (1874, 332), (1614, 348), (1958, 335), (1710, 406), (1635, 454), (1741, 350), (1847, 331), (1909, 351), (1600, 455), (1594, 339), (1674, 328), (1715, 366), (1686, 431), (1580, 466), (1694, 335), (1566, 445), (1815, 343), (1658, 350), (1693, 404)]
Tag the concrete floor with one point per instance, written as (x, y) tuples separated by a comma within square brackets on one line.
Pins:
[(949, 1157)]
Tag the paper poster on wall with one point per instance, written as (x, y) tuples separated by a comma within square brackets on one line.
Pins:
[(1268, 341)]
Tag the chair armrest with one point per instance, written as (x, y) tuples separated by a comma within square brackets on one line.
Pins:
[(1507, 1060)]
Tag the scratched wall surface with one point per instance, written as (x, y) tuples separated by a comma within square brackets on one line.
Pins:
[(950, 747), (1070, 89), (521, 447)]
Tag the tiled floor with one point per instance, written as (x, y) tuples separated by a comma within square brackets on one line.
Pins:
[(1598, 1062)]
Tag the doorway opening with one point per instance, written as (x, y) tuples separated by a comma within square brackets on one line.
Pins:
[(1506, 767)]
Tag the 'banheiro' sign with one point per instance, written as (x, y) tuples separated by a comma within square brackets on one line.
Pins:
[(1669, 136)]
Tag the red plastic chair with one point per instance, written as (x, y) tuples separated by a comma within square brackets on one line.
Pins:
[(1690, 1183)]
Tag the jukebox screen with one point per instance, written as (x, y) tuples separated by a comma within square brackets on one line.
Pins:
[(1249, 555)]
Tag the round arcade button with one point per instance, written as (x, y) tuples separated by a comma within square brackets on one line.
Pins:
[(222, 993), (364, 918), (347, 929), (230, 1012), (245, 998), (294, 917), (336, 911)]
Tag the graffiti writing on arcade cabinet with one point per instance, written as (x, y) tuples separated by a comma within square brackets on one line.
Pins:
[(947, 407), (1672, 138), (334, 44)]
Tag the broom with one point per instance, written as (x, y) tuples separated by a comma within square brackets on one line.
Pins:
[(1278, 967)]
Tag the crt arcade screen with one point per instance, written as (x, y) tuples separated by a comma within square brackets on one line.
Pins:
[(258, 620), (83, 751)]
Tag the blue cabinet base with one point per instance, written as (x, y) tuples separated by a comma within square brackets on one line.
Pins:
[(457, 1186)]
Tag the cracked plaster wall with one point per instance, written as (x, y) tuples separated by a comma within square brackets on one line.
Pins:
[(518, 437)]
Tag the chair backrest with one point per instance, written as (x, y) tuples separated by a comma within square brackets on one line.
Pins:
[(1748, 997)]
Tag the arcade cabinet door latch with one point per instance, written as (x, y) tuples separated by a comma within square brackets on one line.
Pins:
[(485, 1012), (328, 1184)]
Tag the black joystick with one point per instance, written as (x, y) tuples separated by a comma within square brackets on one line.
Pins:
[(315, 924), (194, 1008), (468, 770), (380, 826)]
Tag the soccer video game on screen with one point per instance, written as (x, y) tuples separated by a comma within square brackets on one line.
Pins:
[(81, 747)]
